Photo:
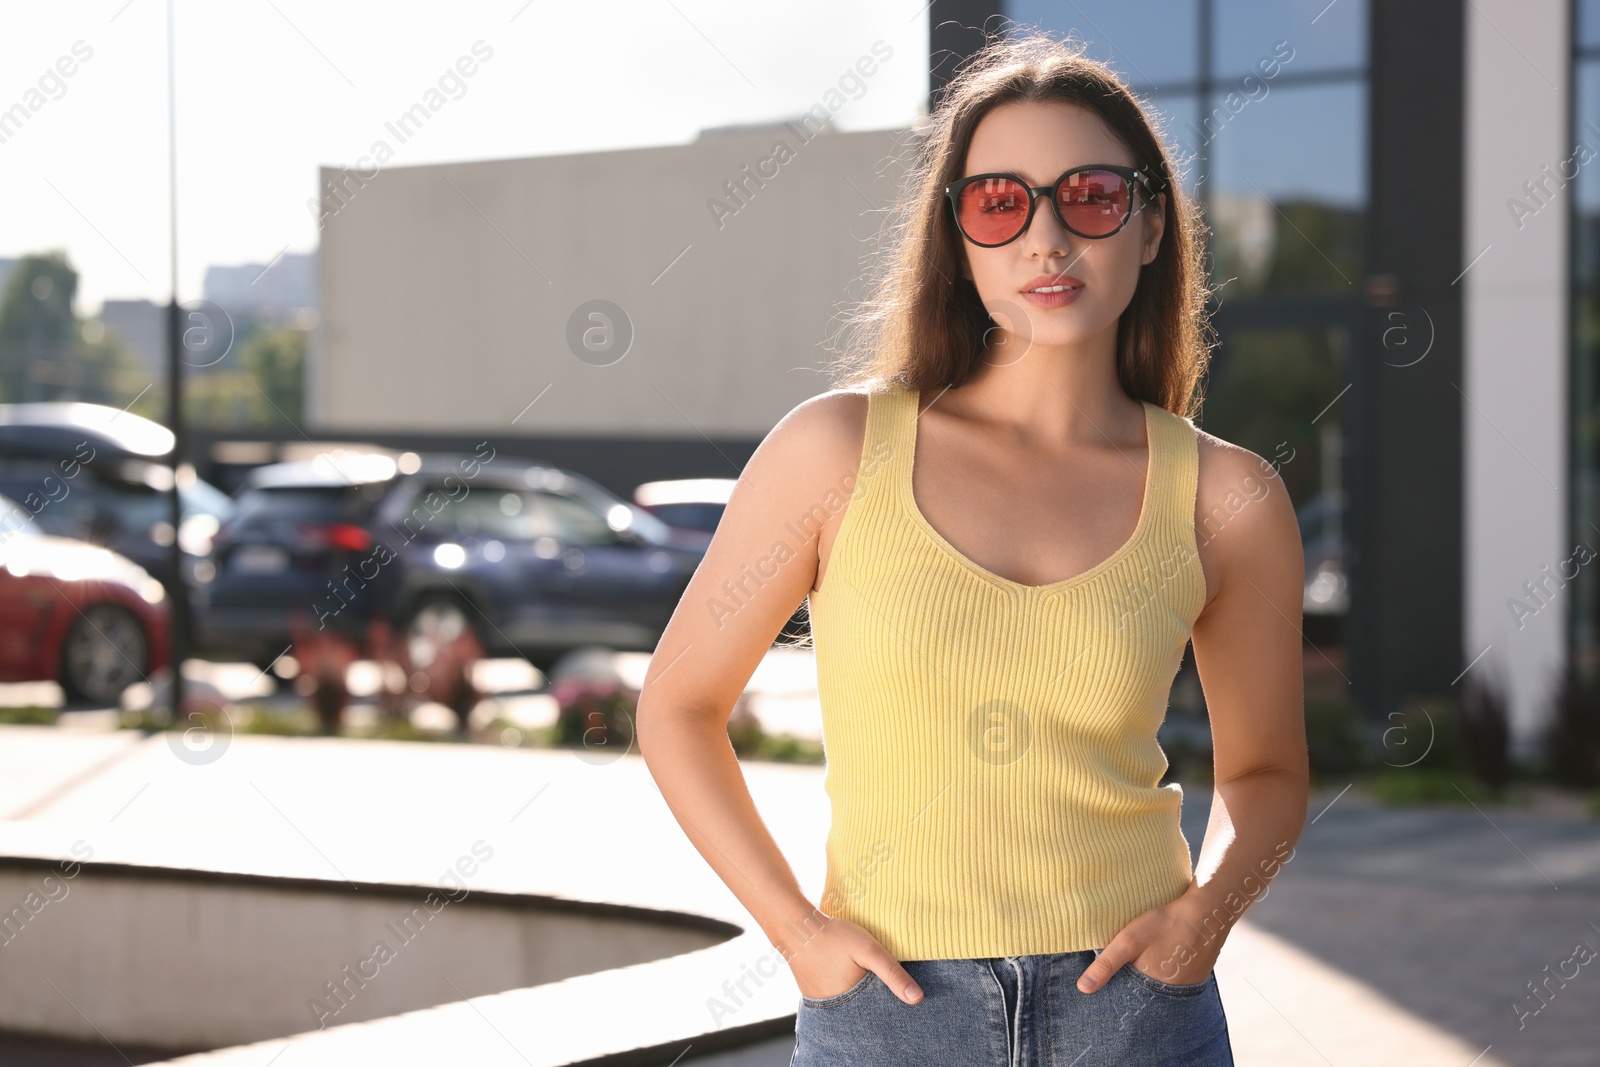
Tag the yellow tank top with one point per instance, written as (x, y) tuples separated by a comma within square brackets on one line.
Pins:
[(992, 761)]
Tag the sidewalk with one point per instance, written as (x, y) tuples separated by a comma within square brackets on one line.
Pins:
[(1390, 938)]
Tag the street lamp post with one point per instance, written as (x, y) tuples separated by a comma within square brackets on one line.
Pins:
[(179, 602)]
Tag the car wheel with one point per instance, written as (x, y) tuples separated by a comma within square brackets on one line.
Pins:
[(104, 653)]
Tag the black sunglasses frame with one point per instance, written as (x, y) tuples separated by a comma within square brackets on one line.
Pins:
[(1151, 183)]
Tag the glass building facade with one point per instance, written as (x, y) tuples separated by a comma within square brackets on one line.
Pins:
[(1323, 143), (1264, 106), (1265, 103)]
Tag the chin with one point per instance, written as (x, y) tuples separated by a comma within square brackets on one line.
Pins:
[(1060, 336)]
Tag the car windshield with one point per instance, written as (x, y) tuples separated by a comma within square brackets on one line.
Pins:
[(691, 515), (203, 498), (138, 506), (332, 503), (518, 514), (649, 527), (15, 521)]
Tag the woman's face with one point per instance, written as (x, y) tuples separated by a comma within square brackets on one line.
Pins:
[(1038, 142)]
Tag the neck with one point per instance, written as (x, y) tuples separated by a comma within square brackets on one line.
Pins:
[(1064, 393)]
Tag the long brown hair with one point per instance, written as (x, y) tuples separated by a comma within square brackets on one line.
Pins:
[(923, 326)]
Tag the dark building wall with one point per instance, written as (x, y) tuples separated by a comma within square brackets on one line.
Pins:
[(1405, 457), (955, 31)]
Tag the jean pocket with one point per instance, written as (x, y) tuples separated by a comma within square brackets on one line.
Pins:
[(1170, 989), (840, 998)]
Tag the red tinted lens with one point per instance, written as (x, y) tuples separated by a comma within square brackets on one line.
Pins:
[(1093, 202), (992, 210)]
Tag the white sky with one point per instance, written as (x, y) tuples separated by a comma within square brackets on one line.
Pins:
[(268, 90)]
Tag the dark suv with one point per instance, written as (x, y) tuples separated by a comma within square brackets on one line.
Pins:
[(535, 559), (97, 474)]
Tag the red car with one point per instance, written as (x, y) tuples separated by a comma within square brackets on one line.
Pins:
[(75, 613)]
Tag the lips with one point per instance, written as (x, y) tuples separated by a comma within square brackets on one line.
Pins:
[(1051, 291), (1052, 282)]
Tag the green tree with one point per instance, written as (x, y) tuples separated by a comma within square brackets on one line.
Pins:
[(1313, 248), (1266, 393), (44, 354), (220, 401), (275, 359), (38, 330), (259, 383)]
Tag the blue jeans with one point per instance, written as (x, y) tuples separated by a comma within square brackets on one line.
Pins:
[(1017, 1011)]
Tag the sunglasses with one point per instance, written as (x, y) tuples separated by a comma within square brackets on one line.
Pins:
[(1094, 201)]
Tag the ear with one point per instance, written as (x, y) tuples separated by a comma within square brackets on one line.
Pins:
[(1155, 225)]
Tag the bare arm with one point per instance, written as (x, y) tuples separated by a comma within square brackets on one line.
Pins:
[(762, 562), (1247, 646)]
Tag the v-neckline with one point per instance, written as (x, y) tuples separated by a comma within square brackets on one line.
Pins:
[(1152, 451)]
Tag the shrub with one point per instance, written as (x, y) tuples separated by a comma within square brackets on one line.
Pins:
[(265, 720), (787, 748), (154, 717), (1423, 734), (29, 715), (1336, 736), (1418, 785), (751, 741), (594, 713), (388, 729), (744, 729), (1437, 749), (1572, 739), (1486, 730)]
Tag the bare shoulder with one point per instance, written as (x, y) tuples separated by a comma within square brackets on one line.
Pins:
[(1244, 520), (804, 461), (834, 422), (818, 443), (817, 453)]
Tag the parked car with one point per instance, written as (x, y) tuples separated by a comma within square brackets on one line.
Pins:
[(75, 613), (535, 559), (98, 474), (697, 504), (686, 503)]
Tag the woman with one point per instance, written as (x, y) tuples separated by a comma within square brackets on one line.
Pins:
[(1009, 529)]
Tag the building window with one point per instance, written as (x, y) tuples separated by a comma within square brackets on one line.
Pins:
[(1265, 104)]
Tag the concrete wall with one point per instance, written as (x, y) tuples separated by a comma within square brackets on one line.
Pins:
[(1514, 403), (206, 963), (449, 293)]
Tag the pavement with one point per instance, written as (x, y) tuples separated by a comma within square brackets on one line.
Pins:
[(1410, 936)]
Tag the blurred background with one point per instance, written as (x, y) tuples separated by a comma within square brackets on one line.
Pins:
[(477, 312)]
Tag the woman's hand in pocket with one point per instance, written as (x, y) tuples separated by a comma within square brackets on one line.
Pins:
[(1159, 944), (839, 954)]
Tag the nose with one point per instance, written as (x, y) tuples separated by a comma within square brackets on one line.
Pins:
[(1045, 232)]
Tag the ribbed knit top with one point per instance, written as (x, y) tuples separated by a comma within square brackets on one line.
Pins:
[(991, 748)]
